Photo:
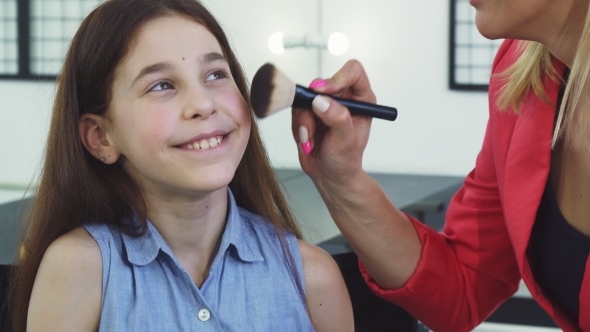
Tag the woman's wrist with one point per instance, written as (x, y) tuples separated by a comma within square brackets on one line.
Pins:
[(343, 190), (374, 227)]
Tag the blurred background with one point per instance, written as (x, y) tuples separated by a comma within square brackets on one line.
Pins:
[(403, 45)]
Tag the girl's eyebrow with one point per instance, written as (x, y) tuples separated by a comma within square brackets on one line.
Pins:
[(168, 66), (157, 67), (211, 57)]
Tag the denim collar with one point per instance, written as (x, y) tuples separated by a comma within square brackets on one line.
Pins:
[(144, 249)]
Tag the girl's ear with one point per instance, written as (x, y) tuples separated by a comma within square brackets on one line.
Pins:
[(95, 139)]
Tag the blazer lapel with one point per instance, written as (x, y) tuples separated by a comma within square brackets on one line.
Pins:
[(527, 167), (584, 303)]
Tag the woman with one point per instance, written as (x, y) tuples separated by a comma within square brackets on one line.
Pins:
[(157, 208), (521, 213)]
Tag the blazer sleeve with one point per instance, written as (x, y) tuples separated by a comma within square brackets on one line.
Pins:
[(466, 271)]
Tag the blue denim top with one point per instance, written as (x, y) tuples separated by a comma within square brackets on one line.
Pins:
[(249, 287)]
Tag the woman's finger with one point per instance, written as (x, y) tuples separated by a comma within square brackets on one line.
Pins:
[(350, 81), (303, 126), (333, 115)]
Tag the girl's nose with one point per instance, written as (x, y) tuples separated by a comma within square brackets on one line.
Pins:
[(199, 103)]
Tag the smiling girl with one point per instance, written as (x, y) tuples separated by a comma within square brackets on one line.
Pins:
[(157, 208)]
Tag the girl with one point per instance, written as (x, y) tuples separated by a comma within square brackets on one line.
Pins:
[(157, 208)]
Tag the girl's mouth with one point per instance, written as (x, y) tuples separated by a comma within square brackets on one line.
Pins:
[(203, 144)]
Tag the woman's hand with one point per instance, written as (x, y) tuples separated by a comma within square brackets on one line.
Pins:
[(379, 233), (336, 138)]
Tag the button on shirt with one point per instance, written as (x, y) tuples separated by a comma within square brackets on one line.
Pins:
[(249, 287), (204, 315)]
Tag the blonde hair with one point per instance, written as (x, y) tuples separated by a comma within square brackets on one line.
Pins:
[(527, 74)]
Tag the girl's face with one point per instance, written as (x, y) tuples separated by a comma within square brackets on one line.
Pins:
[(176, 113), (536, 20)]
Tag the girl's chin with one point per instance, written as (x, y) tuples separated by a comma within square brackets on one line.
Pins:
[(211, 184)]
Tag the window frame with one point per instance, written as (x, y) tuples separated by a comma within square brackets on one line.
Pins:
[(453, 83), (23, 35)]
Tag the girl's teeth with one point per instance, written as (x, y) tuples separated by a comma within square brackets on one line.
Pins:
[(205, 144)]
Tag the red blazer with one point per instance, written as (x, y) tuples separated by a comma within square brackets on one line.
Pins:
[(476, 262)]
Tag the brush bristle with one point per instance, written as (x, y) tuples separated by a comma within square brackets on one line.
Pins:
[(271, 91), (261, 89)]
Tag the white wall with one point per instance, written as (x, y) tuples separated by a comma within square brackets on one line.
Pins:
[(404, 48), (24, 120), (403, 45)]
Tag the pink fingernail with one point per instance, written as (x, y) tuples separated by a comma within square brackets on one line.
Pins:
[(306, 147), (304, 140), (318, 83)]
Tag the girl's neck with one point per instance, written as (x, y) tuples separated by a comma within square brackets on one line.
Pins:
[(192, 229)]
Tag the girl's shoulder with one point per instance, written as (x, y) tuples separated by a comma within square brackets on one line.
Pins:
[(326, 293), (76, 256), (67, 292), (77, 238), (75, 252)]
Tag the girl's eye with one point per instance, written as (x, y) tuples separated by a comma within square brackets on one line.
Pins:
[(216, 75), (162, 86)]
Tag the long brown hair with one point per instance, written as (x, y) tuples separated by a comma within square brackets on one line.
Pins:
[(75, 188)]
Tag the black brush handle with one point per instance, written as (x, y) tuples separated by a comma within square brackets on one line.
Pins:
[(304, 97)]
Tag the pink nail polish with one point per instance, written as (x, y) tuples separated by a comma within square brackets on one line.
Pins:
[(317, 84), (306, 147)]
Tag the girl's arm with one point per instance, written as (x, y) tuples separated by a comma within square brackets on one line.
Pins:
[(68, 288), (327, 296)]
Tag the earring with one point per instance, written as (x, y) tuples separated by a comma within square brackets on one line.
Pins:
[(102, 159)]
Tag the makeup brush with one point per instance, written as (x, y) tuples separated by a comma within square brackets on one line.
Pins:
[(272, 91)]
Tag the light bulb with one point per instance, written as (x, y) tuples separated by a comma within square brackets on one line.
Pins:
[(337, 43), (275, 43)]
